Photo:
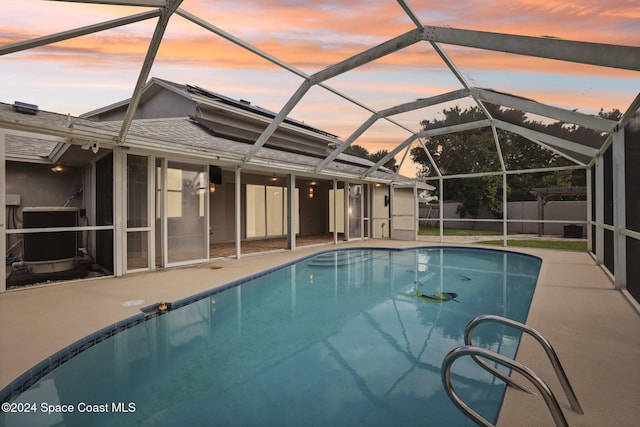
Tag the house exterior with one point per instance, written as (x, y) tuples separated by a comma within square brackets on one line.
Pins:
[(184, 187)]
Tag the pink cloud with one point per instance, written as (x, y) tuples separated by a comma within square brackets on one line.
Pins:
[(589, 20), (309, 55), (316, 35), (312, 35)]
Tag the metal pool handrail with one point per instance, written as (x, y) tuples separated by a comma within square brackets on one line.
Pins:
[(542, 387), (551, 354)]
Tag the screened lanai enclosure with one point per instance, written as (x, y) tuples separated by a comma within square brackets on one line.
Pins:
[(149, 171)]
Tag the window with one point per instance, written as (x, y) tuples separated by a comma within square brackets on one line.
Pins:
[(174, 193)]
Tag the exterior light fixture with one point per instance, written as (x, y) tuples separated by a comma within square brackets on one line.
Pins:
[(57, 169)]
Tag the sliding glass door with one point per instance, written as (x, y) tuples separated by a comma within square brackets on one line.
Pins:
[(266, 211)]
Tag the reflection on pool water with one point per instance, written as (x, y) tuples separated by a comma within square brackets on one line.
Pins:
[(343, 338)]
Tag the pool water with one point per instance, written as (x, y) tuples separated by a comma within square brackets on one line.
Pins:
[(343, 338)]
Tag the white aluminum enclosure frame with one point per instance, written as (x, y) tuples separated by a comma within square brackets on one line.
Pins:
[(437, 38)]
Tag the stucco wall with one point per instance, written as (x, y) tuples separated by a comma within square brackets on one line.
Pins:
[(163, 104), (403, 207), (166, 104), (380, 221), (38, 185)]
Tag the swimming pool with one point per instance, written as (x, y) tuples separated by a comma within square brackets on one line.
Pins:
[(350, 337)]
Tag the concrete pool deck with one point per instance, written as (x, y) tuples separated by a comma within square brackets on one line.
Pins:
[(594, 328)]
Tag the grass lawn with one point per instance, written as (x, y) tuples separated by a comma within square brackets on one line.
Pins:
[(567, 245)]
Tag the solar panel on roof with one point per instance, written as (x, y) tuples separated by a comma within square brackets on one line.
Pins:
[(23, 107), (247, 106)]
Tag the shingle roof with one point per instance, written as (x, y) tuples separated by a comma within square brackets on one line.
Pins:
[(7, 112), (20, 146), (26, 147), (182, 131), (168, 133)]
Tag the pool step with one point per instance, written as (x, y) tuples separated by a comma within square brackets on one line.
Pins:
[(339, 259)]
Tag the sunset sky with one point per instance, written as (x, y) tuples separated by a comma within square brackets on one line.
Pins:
[(89, 72)]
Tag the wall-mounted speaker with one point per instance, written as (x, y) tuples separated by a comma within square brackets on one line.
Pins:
[(215, 174)]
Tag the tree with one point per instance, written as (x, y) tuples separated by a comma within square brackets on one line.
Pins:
[(357, 150), (360, 151), (474, 151), (381, 154)]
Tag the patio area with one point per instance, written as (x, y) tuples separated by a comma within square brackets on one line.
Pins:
[(593, 327)]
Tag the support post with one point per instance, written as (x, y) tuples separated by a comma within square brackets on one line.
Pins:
[(291, 211), (151, 200), (619, 211), (335, 212), (207, 213), (391, 221), (370, 211), (540, 201), (590, 218), (416, 211), (3, 208), (599, 209), (441, 213), (238, 213), (362, 211), (120, 211), (505, 224), (164, 220), (346, 214)]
